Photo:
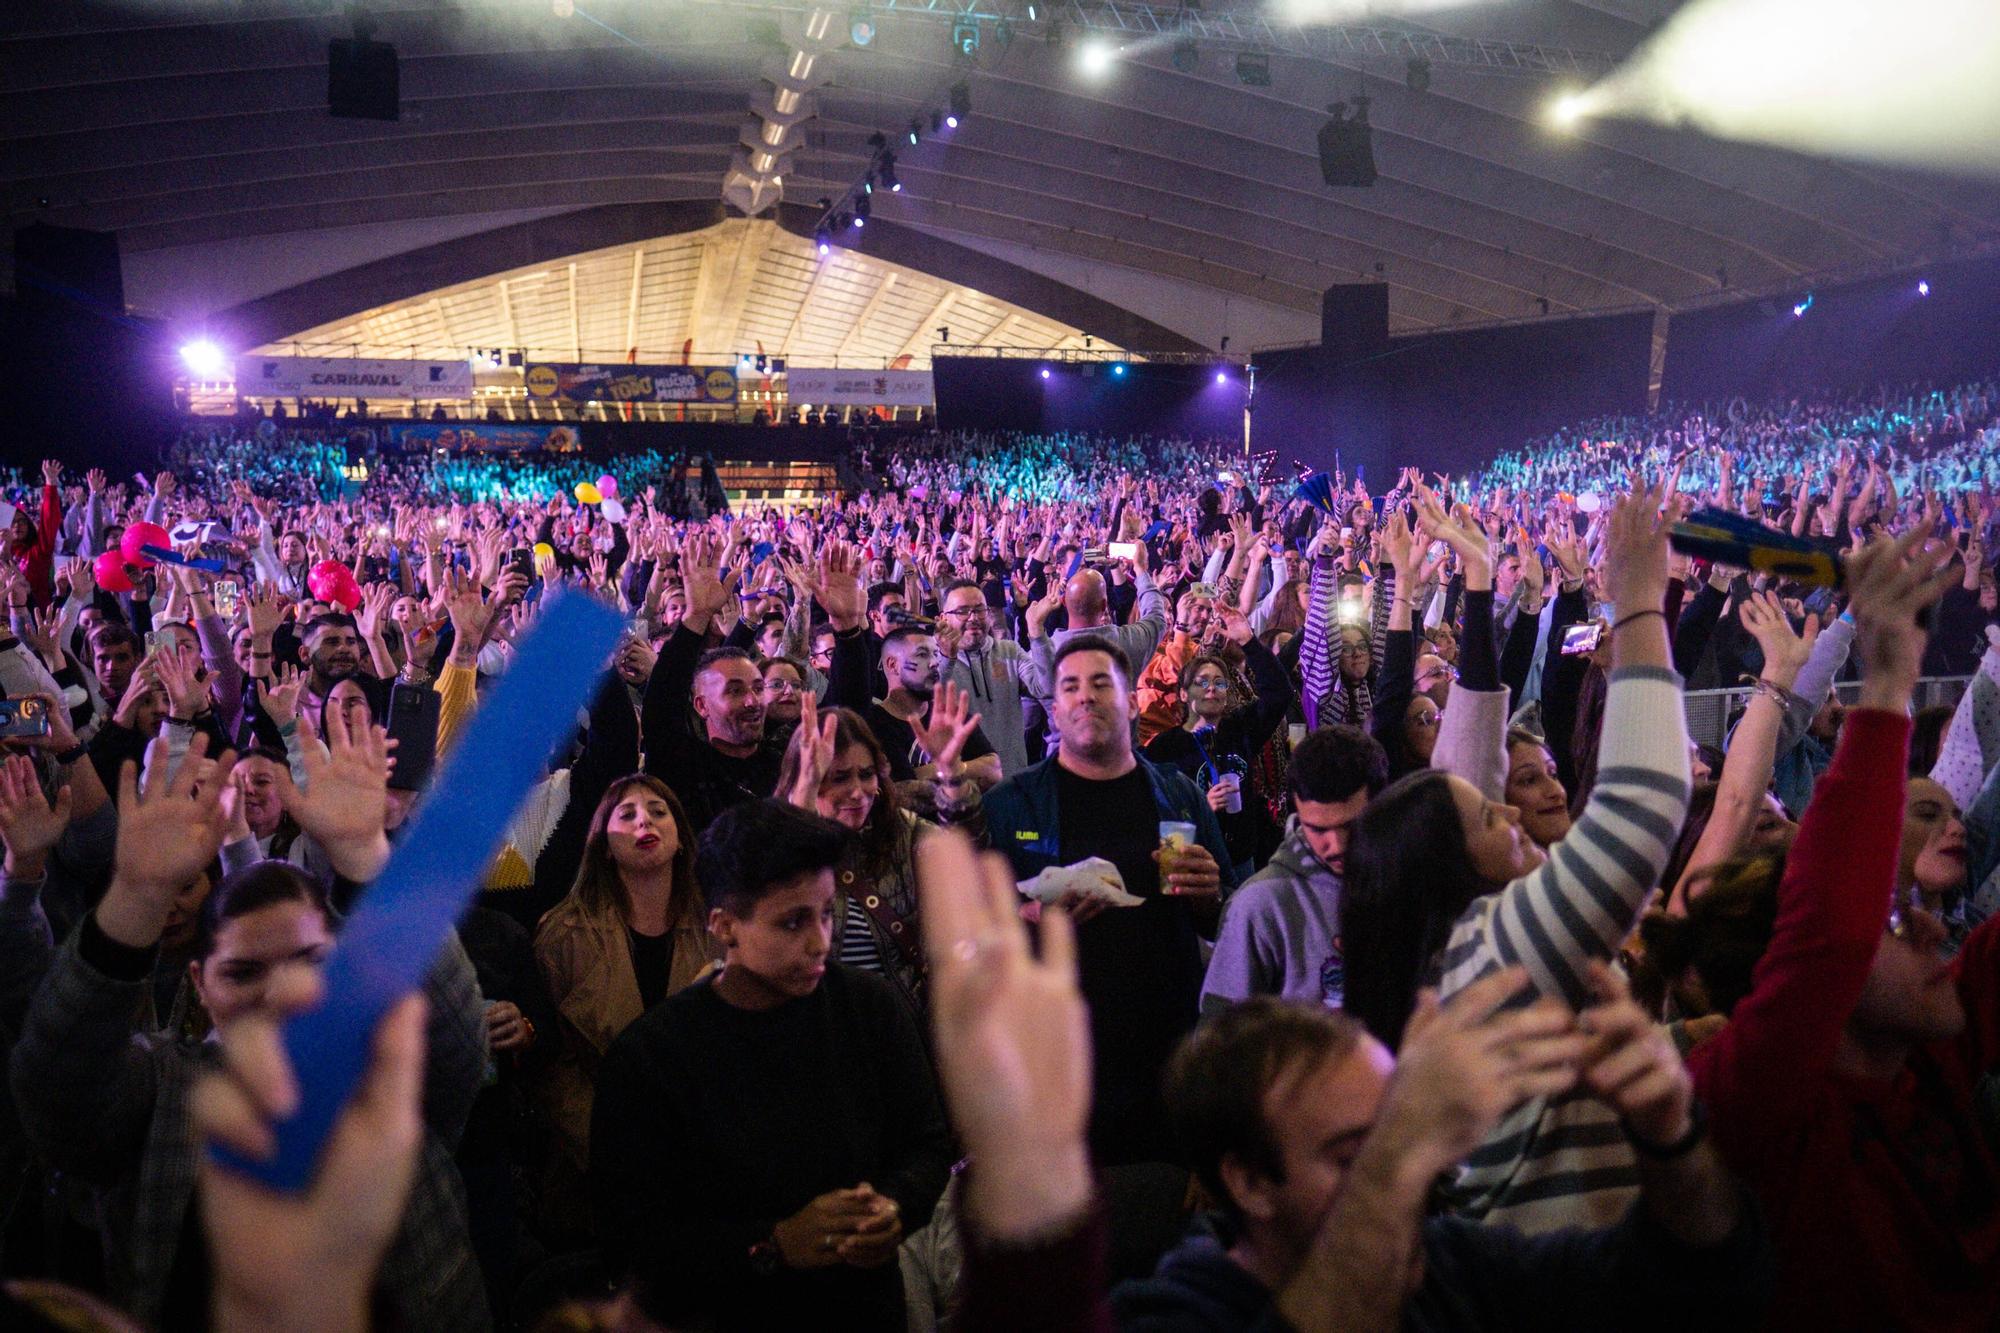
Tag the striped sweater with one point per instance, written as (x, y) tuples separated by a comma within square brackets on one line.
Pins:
[(1565, 1162)]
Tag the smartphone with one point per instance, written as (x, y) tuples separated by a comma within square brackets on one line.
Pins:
[(1581, 639), (521, 560), (1123, 550), (225, 595), (413, 725), (23, 717), (159, 641)]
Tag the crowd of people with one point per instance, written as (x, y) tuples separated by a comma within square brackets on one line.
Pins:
[(1072, 884)]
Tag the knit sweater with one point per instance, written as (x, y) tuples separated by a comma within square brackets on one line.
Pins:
[(1565, 1162), (1883, 1196)]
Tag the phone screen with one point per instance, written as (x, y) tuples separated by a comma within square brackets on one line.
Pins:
[(1123, 550), (1580, 639), (226, 593)]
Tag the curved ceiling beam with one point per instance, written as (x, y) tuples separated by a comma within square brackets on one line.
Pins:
[(340, 295)]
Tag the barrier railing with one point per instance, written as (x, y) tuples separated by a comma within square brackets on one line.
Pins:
[(1709, 712)]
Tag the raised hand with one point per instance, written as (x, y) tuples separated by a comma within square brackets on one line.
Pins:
[(817, 750), (346, 797), (1013, 1042), (266, 611), (1635, 563), (836, 585), (373, 612), (1400, 548), (51, 472), (949, 725), (1233, 624), (1785, 653), (1891, 583), (178, 668), (168, 832), (281, 696), (29, 824), (1631, 1065), (306, 1260), (1039, 610)]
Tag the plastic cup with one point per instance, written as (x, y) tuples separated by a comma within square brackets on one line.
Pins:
[(1175, 836), (1232, 784)]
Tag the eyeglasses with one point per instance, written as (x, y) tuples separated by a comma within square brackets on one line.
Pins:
[(1427, 720), (1211, 686)]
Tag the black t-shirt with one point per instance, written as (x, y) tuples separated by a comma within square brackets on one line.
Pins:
[(652, 964), (901, 742), (1140, 966)]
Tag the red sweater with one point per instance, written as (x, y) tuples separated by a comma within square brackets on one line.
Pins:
[(1883, 1199), (37, 557)]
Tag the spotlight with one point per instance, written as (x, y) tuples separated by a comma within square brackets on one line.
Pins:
[(916, 133), (864, 208), (1799, 310), (1417, 75), (1045, 372), (1034, 11), (886, 173), (1924, 288), (965, 39), (204, 358), (1095, 57), (868, 183), (1222, 377), (1347, 146), (1003, 33), (861, 30), (823, 242), (1253, 69), (1567, 111), (878, 141), (937, 121), (1119, 370), (961, 101), (950, 121), (763, 363)]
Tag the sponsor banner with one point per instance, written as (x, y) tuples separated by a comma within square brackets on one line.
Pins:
[(345, 377), (859, 388), (631, 384), (486, 437)]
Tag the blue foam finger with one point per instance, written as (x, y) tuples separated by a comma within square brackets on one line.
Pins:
[(166, 557), (403, 919)]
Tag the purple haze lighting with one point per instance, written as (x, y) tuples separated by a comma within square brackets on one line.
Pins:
[(951, 122), (1045, 372), (1923, 289), (1222, 377)]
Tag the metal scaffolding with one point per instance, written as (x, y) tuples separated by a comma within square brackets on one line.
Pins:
[(1240, 27)]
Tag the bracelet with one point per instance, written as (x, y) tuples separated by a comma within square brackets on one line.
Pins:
[(1697, 1130), (1623, 621), (72, 754), (1776, 693)]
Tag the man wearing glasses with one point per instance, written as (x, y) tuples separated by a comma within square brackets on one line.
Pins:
[(997, 673)]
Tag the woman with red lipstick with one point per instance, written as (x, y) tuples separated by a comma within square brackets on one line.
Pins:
[(628, 934)]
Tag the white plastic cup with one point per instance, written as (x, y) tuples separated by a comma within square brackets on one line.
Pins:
[(1232, 784)]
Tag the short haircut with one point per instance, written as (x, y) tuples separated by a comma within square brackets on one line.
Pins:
[(727, 653), (759, 846), (1093, 643), (903, 634), (878, 591), (1334, 762), (112, 634), (330, 620), (1216, 1082), (955, 585)]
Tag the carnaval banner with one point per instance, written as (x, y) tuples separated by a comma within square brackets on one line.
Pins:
[(343, 377), (632, 384), (485, 437), (860, 388)]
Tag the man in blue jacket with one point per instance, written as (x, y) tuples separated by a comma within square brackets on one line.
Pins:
[(1140, 967)]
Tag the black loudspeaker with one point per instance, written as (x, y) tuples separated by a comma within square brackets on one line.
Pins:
[(1347, 147), (68, 266), (362, 82), (1354, 321)]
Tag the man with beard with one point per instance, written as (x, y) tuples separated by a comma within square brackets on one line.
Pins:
[(1140, 967), (719, 756), (333, 653), (910, 662), (997, 673)]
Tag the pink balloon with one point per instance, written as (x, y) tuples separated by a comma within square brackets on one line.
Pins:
[(325, 578), (607, 485), (138, 537), (348, 595), (112, 575)]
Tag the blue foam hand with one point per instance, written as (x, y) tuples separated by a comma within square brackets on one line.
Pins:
[(403, 919), (166, 557)]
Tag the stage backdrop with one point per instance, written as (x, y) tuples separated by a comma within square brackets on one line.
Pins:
[(1004, 393)]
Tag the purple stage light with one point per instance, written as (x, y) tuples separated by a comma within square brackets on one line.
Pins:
[(1923, 288), (1222, 377), (203, 358), (1045, 372)]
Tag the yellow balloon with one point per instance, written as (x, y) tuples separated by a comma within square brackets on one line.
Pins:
[(587, 492), (544, 551)]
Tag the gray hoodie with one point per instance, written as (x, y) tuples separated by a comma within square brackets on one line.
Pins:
[(1280, 933)]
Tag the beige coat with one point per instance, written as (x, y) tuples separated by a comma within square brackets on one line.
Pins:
[(586, 958)]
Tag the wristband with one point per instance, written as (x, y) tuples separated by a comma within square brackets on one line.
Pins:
[(1697, 1130), (72, 754), (1623, 621)]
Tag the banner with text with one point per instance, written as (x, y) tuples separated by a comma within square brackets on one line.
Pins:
[(860, 388), (486, 437), (345, 377), (632, 384)]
